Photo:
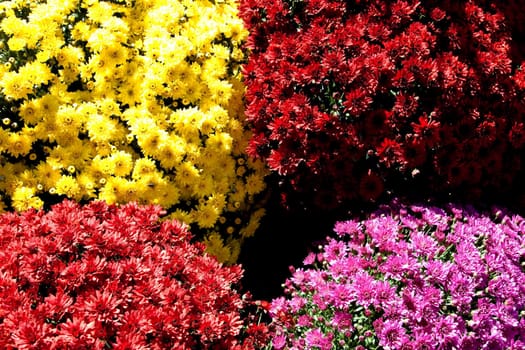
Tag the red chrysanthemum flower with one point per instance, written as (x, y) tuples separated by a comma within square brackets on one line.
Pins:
[(99, 276), (446, 73)]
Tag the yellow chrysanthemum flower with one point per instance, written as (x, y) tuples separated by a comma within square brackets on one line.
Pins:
[(24, 198), (47, 175), (18, 144), (206, 216), (215, 246), (15, 86), (170, 154), (101, 128), (35, 73), (47, 106), (87, 184), (109, 189), (186, 174), (254, 183), (29, 112), (121, 163), (143, 167), (67, 185)]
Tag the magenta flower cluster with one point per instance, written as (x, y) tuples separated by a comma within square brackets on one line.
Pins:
[(410, 277)]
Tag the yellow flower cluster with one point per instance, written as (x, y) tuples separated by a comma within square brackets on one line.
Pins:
[(135, 100)]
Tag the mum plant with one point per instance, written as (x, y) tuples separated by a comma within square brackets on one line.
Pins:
[(410, 277), (104, 276), (129, 101), (349, 99)]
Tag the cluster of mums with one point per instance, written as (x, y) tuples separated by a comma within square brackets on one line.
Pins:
[(138, 139)]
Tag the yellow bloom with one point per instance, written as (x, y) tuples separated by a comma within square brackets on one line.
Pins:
[(29, 112), (122, 163), (59, 157), (220, 51), (103, 149), (213, 69), (220, 90), (101, 128), (142, 125), (108, 191), (234, 246), (114, 55), (150, 141), (128, 92), (28, 179), (126, 190), (168, 195), (203, 187), (47, 174), (15, 86), (36, 73), (206, 216), (143, 167), (217, 200), (221, 142), (170, 154), (69, 56), (80, 152), (11, 24), (67, 185), (47, 106), (69, 119), (24, 198), (99, 11), (103, 164), (254, 183), (81, 31), (181, 215), (18, 144), (215, 246), (186, 174), (87, 184)]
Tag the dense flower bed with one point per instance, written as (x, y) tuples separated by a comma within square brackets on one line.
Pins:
[(105, 276), (129, 101), (410, 277), (349, 99)]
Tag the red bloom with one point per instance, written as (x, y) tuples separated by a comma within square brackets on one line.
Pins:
[(389, 153), (428, 64), (130, 282), (486, 132), (427, 129), (357, 101)]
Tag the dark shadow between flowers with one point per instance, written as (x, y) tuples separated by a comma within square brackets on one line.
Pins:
[(284, 238)]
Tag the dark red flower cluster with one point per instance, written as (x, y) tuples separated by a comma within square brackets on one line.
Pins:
[(99, 277), (350, 98)]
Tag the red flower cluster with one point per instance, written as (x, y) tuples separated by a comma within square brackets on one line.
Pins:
[(99, 276), (349, 98)]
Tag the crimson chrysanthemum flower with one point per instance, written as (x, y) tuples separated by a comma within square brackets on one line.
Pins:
[(105, 276), (434, 78)]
